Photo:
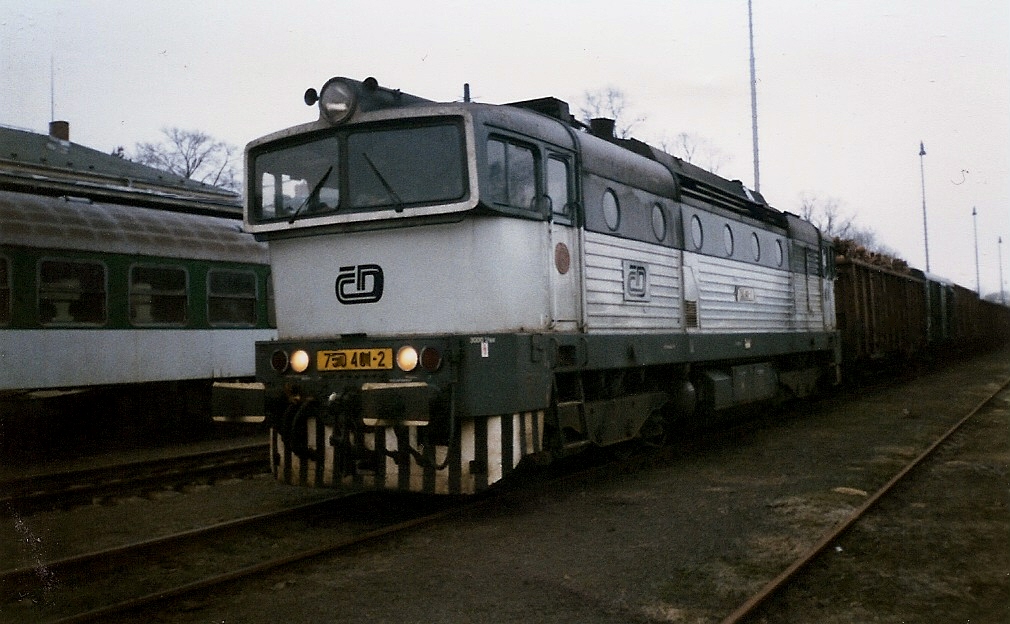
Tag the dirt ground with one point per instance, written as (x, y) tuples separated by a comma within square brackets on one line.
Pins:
[(938, 550), (683, 541)]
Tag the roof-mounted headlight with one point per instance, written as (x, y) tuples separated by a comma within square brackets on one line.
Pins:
[(337, 100)]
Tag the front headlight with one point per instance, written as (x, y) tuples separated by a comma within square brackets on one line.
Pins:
[(337, 100), (299, 361), (406, 358)]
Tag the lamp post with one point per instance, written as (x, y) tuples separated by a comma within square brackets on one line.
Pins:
[(974, 223), (999, 247), (753, 99), (922, 171)]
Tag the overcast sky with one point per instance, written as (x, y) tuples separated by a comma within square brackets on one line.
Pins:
[(846, 89)]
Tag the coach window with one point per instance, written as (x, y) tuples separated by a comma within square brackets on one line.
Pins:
[(511, 174), (231, 297), (158, 295), (71, 292), (727, 239), (558, 190), (780, 254), (5, 292), (611, 210), (755, 246)]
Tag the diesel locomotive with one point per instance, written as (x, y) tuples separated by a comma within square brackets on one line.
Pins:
[(464, 287)]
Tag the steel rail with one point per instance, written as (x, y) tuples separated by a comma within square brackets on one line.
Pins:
[(749, 606), (259, 568), (35, 491), (342, 544), (14, 578)]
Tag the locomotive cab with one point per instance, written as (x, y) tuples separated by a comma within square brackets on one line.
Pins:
[(410, 249)]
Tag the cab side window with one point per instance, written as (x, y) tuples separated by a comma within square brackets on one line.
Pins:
[(512, 174), (558, 191)]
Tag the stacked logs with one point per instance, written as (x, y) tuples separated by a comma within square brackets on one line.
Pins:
[(847, 249)]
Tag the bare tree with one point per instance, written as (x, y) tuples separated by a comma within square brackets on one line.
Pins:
[(832, 221), (610, 103), (826, 215), (995, 297), (194, 155), (695, 150)]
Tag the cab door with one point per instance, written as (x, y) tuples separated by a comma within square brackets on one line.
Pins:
[(565, 242)]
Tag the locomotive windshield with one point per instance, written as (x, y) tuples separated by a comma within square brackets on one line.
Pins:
[(360, 169)]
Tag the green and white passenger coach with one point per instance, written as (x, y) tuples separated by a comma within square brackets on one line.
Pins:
[(122, 297)]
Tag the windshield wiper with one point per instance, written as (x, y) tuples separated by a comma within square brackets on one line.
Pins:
[(314, 192), (385, 184)]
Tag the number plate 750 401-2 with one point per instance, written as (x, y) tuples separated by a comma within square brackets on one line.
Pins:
[(354, 359)]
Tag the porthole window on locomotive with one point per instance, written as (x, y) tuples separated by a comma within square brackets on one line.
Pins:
[(697, 235), (611, 210), (780, 254), (755, 246), (658, 222), (727, 239)]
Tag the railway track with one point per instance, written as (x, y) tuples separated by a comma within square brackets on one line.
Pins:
[(747, 611), (331, 527), (66, 489), (324, 528), (175, 566)]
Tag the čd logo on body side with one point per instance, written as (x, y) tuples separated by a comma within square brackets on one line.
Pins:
[(359, 284)]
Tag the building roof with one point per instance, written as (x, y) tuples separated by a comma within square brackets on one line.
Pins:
[(48, 165)]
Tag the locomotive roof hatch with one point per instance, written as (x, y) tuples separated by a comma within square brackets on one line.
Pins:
[(550, 106)]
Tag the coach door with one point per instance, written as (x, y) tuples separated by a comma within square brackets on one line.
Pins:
[(565, 253)]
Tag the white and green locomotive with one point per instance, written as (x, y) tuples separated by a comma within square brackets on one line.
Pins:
[(463, 287)]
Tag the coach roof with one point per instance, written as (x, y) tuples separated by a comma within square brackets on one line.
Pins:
[(57, 223)]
